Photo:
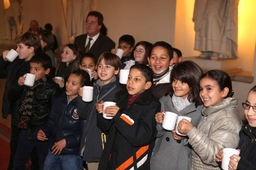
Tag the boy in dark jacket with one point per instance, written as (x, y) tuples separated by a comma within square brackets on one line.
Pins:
[(64, 126), (27, 45), (131, 132), (34, 109)]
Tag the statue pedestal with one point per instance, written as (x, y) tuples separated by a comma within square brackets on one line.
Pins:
[(230, 66)]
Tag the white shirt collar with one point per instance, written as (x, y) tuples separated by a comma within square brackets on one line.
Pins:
[(94, 38)]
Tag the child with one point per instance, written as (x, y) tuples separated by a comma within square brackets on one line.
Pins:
[(160, 61), (141, 52), (247, 145), (105, 88), (27, 45), (64, 127), (172, 151), (69, 61), (177, 56), (220, 125), (87, 64), (47, 43), (133, 128), (34, 109), (126, 43)]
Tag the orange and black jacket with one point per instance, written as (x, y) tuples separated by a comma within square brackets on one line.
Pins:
[(130, 134)]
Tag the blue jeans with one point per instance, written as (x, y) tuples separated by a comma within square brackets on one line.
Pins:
[(27, 142), (63, 162)]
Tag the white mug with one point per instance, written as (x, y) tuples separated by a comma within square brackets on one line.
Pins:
[(12, 54), (105, 105), (227, 152), (59, 78), (178, 121), (119, 52), (169, 121), (87, 93), (29, 79), (123, 76)]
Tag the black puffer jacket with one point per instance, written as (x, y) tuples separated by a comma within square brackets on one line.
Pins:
[(64, 123), (247, 146), (42, 94)]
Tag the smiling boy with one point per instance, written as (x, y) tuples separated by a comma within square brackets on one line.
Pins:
[(133, 128)]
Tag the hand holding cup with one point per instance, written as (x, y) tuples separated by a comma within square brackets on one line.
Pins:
[(184, 125)]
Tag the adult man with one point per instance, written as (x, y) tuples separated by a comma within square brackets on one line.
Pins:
[(94, 41)]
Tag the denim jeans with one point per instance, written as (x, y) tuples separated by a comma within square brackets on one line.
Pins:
[(27, 142), (63, 162)]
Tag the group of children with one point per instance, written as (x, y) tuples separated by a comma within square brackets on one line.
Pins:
[(67, 132)]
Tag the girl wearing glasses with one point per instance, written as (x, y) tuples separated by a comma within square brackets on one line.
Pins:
[(142, 51), (220, 124), (247, 142)]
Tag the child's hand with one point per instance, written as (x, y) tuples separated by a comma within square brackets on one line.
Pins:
[(113, 51), (41, 136), (111, 111), (21, 80), (219, 156), (159, 117), (184, 126), (99, 107), (176, 136), (59, 82), (5, 54), (58, 146), (95, 75), (234, 160), (80, 92)]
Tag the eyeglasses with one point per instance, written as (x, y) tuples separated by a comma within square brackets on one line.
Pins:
[(246, 106), (138, 51)]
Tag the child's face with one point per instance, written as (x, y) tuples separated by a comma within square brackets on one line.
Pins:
[(87, 63), (25, 52), (175, 58), (180, 89), (139, 54), (38, 70), (67, 55), (126, 47), (159, 59), (73, 86), (250, 115), (136, 83), (106, 72), (210, 92)]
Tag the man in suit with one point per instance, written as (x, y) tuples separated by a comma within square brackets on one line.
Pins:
[(94, 41)]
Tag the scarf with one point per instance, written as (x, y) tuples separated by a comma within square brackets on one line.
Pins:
[(180, 103)]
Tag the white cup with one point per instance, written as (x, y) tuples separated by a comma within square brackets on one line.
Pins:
[(29, 79), (12, 54), (87, 95), (119, 53), (227, 152), (105, 105), (169, 120), (58, 78), (123, 77), (178, 121)]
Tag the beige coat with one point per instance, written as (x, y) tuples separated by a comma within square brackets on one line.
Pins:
[(219, 128)]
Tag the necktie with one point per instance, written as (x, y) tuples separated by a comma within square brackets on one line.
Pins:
[(88, 45)]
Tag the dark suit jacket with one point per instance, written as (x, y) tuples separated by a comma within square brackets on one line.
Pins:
[(102, 44)]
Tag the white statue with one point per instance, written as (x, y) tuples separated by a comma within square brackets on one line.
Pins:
[(13, 19), (216, 28)]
